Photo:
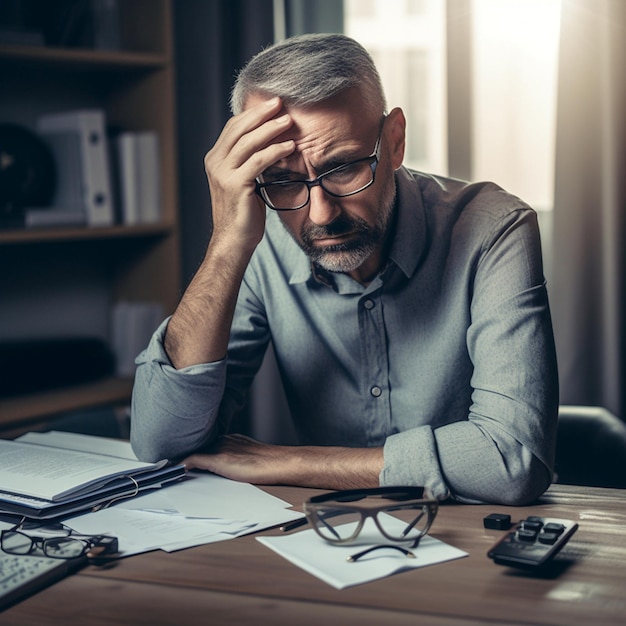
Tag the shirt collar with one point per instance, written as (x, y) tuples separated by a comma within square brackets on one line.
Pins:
[(409, 244)]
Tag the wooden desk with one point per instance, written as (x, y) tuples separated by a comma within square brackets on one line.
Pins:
[(242, 582)]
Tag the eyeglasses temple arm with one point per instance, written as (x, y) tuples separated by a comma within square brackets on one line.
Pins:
[(329, 527), (302, 522), (355, 557), (408, 529)]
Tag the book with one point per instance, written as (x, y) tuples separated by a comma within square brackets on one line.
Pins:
[(107, 31), (47, 474), (79, 141), (138, 176), (128, 178)]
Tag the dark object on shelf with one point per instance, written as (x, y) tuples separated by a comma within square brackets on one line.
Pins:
[(30, 366), (27, 173), (64, 23)]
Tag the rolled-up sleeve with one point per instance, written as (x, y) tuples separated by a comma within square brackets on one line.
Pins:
[(173, 411)]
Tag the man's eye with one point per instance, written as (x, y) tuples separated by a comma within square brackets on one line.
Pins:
[(347, 172)]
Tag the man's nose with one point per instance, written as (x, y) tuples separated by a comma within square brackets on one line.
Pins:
[(323, 208)]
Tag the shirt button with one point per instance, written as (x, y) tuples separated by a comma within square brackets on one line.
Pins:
[(376, 391), (369, 304)]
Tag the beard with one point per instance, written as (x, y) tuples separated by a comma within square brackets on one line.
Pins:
[(364, 238)]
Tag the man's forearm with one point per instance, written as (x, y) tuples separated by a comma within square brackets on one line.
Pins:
[(337, 468), (200, 327), (244, 459)]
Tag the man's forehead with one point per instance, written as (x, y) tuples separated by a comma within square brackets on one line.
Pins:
[(347, 102), (322, 147), (297, 112), (326, 134)]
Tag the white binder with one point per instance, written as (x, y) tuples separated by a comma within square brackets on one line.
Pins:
[(92, 170)]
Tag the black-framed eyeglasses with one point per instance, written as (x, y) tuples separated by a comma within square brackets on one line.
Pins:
[(341, 181), (338, 519), (66, 546)]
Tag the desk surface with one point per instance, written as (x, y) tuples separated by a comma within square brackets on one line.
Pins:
[(242, 582)]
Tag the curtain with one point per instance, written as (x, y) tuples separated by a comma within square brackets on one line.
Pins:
[(214, 39), (304, 16), (587, 297)]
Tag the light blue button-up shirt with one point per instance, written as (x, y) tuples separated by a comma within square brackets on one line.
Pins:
[(446, 358)]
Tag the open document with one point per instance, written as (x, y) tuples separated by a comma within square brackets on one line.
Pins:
[(46, 474)]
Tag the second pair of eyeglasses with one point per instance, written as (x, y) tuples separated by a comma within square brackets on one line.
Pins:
[(338, 519)]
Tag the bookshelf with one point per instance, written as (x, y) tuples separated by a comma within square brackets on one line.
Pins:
[(48, 275)]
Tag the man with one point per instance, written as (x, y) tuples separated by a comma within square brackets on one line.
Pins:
[(408, 312)]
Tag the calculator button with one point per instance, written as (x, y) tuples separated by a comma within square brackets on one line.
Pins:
[(532, 525), (554, 528), (548, 538)]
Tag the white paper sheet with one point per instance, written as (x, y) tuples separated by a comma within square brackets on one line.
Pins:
[(308, 550), (203, 508), (84, 443), (206, 495)]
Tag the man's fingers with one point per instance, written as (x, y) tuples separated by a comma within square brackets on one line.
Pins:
[(253, 152), (245, 133), (254, 141)]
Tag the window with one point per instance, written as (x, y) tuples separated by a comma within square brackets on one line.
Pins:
[(406, 38), (514, 53)]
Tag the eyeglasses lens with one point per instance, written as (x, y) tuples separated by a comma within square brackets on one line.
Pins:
[(286, 196), (336, 524), (416, 517), (16, 543), (64, 548)]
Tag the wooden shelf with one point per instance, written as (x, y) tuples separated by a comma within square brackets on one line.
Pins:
[(37, 235), (47, 404), (65, 280), (82, 57)]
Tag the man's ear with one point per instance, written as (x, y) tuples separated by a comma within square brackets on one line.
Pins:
[(396, 136)]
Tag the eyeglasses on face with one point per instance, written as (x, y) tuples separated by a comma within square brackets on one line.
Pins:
[(341, 181)]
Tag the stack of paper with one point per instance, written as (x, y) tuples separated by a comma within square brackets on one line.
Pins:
[(46, 475), (55, 475), (204, 508)]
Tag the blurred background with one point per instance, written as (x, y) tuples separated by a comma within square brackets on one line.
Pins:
[(528, 93)]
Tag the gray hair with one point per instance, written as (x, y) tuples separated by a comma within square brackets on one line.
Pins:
[(309, 69)]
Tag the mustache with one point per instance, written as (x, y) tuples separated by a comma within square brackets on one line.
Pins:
[(342, 225)]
